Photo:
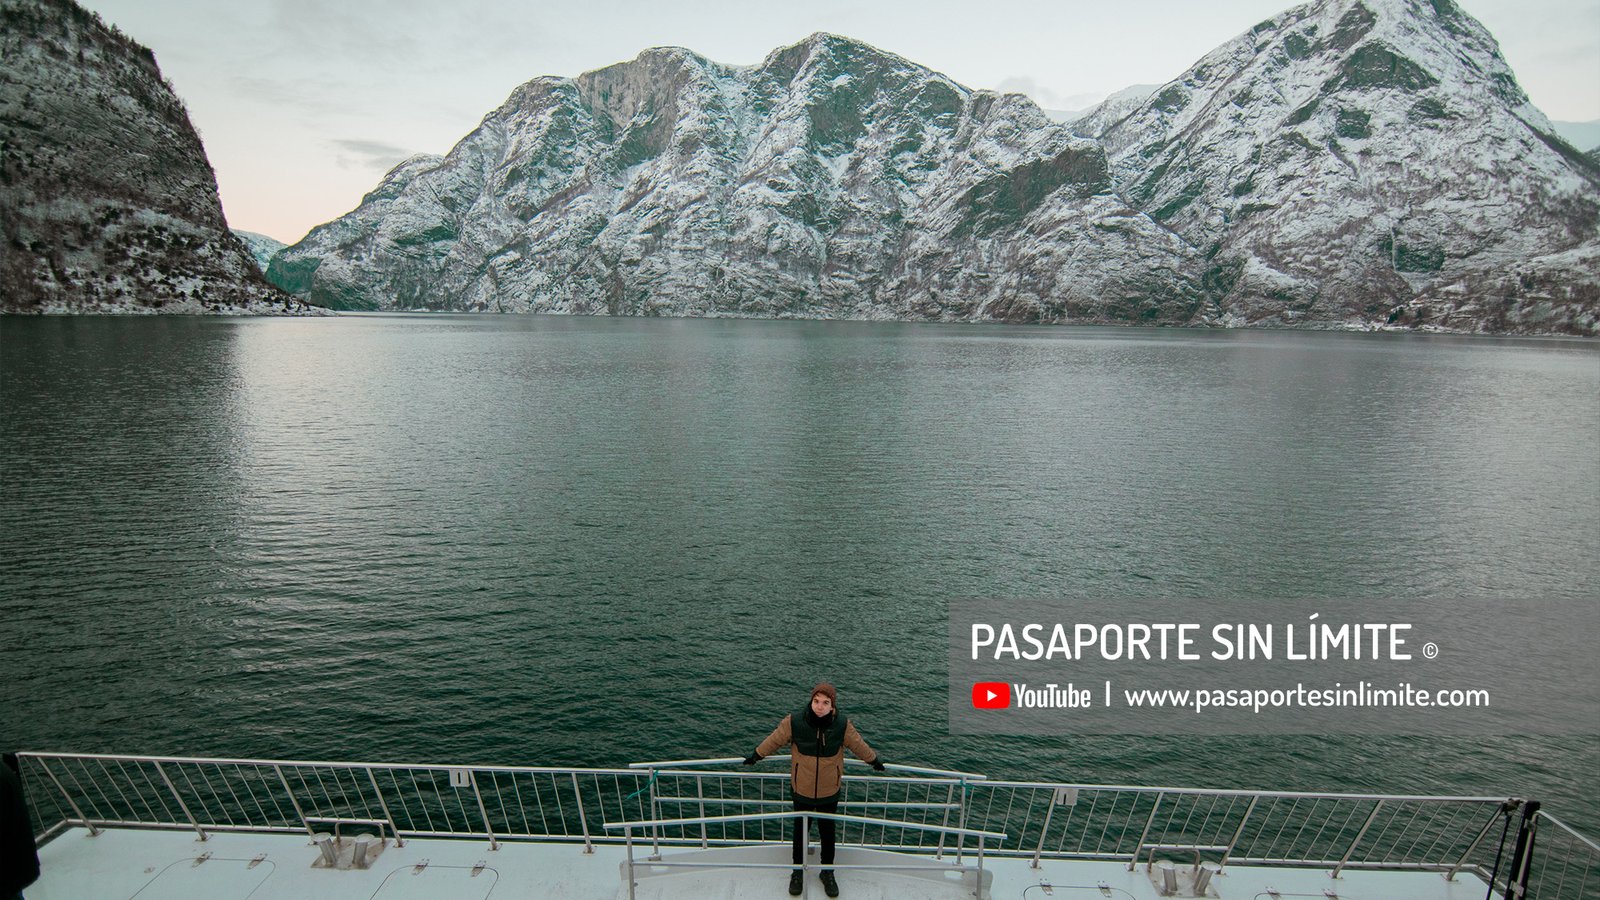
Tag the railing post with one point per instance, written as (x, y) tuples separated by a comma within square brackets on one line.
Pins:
[(1462, 862), (949, 795), (804, 824), (655, 813), (700, 794), (979, 891), (1238, 833), (628, 833), (293, 802), (483, 811), (1359, 835), (1139, 847), (1522, 853), (384, 805), (181, 805), (1050, 810), (588, 845), (93, 831), (961, 839)]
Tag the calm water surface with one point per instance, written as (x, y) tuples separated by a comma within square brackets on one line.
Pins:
[(574, 541)]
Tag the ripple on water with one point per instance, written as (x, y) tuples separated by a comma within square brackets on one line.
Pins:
[(593, 541)]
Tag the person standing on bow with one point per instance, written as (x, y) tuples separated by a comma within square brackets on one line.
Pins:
[(819, 735)]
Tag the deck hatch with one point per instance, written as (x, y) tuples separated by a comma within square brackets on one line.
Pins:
[(433, 882), (217, 879)]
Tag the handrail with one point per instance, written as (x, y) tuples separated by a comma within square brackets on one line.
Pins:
[(728, 760), (795, 814), (749, 773), (633, 768), (1240, 792), (724, 864), (680, 763), (322, 764), (741, 801), (41, 839), (1569, 830), (445, 767)]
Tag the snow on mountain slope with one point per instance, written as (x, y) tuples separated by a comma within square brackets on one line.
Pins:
[(832, 180), (1350, 163), (1349, 158)]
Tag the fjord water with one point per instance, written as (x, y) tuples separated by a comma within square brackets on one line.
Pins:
[(587, 541)]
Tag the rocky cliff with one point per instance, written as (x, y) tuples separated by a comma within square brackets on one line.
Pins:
[(107, 202), (1351, 163)]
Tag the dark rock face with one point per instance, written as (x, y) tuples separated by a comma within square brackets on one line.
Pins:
[(1351, 163), (107, 201)]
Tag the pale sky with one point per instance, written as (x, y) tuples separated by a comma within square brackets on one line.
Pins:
[(304, 104)]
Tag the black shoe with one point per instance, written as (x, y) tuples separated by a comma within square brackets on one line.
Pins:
[(797, 883), (829, 885)]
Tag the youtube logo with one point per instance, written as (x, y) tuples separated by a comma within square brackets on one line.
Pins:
[(991, 695)]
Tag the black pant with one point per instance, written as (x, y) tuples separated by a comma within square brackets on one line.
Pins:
[(825, 829)]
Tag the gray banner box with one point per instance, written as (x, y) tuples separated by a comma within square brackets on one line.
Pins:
[(1529, 666)]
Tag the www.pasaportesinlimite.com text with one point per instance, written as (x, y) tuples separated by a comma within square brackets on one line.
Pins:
[(1199, 700)]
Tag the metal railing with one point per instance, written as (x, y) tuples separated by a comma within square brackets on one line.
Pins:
[(1136, 825), (1563, 863), (1330, 831), (933, 792), (804, 824), (493, 803), (728, 760)]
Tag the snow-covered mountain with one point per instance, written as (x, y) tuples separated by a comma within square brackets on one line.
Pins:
[(831, 180), (1360, 161), (1351, 163), (262, 247), (1127, 98), (107, 202), (1113, 107)]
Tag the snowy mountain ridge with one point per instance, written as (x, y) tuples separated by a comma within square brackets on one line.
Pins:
[(1455, 202), (1350, 163), (262, 247), (831, 180)]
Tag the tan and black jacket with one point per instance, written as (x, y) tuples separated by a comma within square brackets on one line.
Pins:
[(816, 763)]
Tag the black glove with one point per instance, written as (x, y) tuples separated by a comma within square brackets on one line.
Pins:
[(752, 759), (877, 762)]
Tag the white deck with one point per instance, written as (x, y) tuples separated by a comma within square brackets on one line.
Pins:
[(161, 865)]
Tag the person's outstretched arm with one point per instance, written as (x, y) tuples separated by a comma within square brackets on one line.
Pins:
[(858, 746), (777, 740)]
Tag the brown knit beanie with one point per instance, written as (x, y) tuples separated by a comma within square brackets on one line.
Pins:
[(828, 689)]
